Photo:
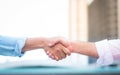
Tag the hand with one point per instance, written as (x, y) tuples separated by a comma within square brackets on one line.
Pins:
[(57, 52), (65, 42), (57, 48)]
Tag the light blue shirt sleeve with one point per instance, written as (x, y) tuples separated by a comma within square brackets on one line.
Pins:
[(11, 46)]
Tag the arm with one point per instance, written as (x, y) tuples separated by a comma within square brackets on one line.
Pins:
[(35, 43), (85, 48), (14, 46), (57, 52), (106, 51)]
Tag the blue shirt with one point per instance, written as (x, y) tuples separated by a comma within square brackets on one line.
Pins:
[(11, 46)]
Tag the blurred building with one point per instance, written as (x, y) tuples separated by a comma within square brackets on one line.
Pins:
[(103, 20)]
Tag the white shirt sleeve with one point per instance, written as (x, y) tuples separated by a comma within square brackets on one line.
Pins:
[(108, 51)]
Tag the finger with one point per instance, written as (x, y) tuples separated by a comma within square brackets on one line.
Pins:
[(59, 51), (58, 54), (53, 56), (61, 54), (56, 57), (50, 52), (47, 52), (53, 53), (66, 51)]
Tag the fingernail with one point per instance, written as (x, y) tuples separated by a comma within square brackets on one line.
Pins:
[(47, 52)]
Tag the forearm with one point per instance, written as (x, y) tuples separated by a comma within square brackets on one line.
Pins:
[(34, 43), (85, 48)]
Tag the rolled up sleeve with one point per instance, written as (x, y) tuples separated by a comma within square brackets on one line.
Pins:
[(11, 46), (108, 51), (104, 52)]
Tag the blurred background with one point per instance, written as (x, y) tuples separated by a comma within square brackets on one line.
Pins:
[(84, 20)]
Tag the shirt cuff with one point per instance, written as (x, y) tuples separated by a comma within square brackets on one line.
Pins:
[(19, 45), (105, 55), (11, 46)]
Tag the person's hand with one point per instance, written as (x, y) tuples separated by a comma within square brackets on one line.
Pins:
[(54, 43), (57, 52), (65, 42), (57, 48)]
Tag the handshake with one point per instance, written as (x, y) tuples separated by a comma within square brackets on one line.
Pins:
[(58, 48)]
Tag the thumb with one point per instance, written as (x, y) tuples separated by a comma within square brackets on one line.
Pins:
[(53, 42), (63, 41)]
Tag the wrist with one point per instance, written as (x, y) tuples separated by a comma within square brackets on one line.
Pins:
[(45, 42), (74, 46), (42, 42), (70, 47)]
